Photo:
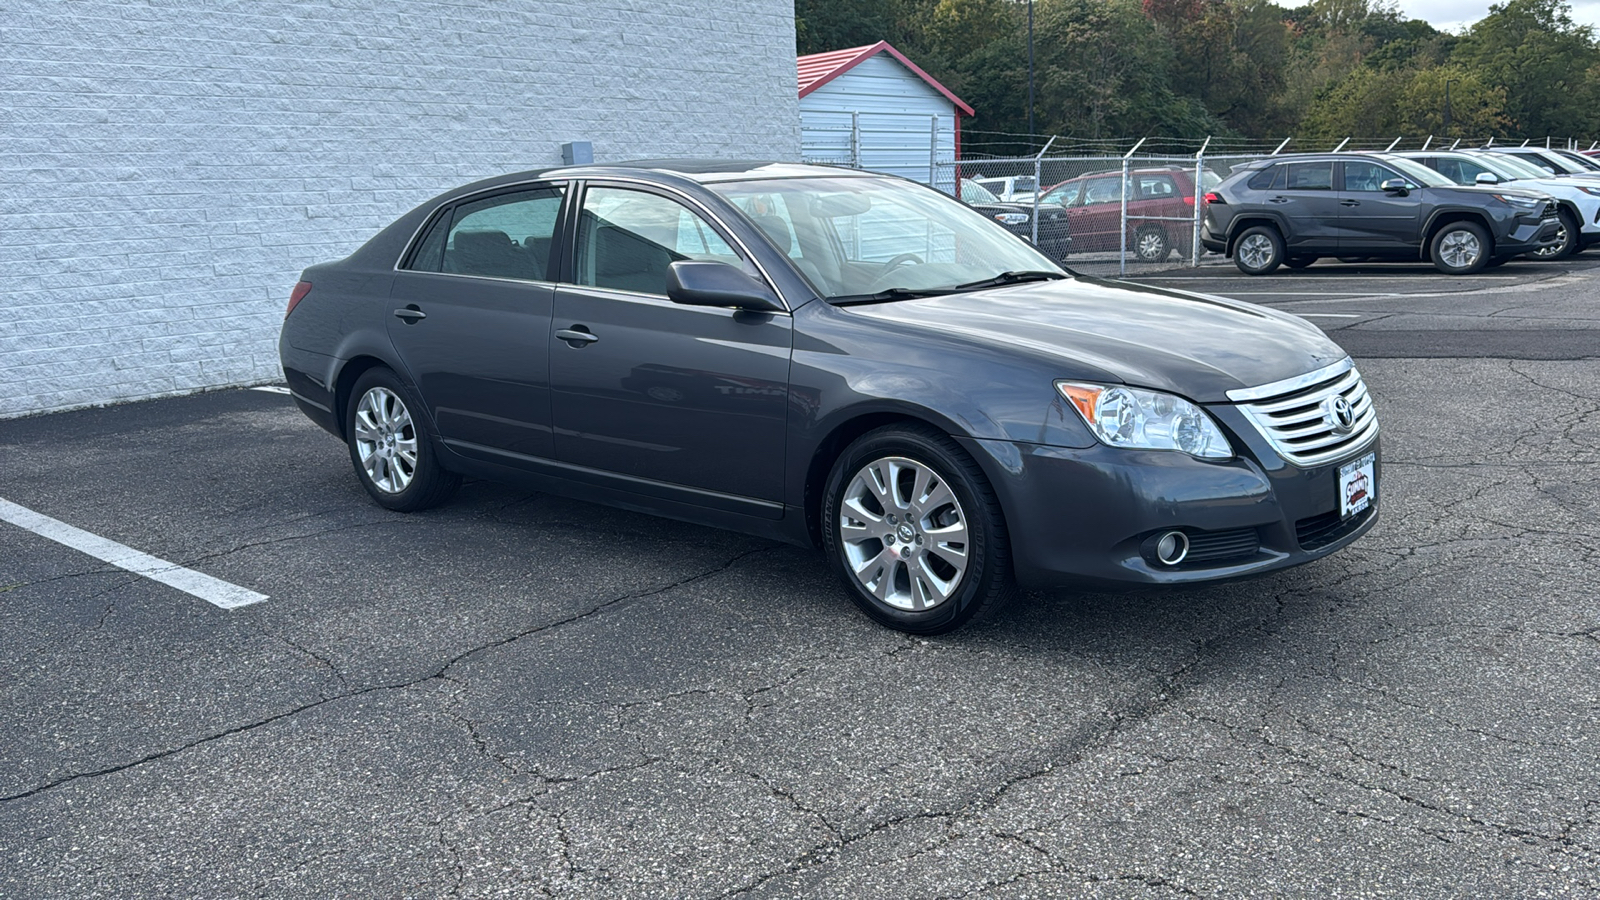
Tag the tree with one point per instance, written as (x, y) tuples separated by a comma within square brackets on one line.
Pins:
[(1549, 67)]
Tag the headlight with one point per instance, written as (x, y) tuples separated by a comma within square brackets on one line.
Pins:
[(1519, 202), (1595, 192), (1146, 420), (1011, 218)]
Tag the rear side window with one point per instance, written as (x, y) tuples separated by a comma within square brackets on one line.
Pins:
[(1268, 179), (1309, 176), (1157, 187), (504, 236)]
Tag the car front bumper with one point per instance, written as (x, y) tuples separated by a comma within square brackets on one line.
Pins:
[(1528, 233), (1091, 516)]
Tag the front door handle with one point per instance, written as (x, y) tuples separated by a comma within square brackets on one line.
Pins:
[(411, 314), (577, 336), (1349, 202)]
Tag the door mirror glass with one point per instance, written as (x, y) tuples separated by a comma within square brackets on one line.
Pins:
[(699, 283)]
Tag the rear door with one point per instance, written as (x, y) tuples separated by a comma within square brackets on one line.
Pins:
[(1097, 219), (1302, 193), (472, 321)]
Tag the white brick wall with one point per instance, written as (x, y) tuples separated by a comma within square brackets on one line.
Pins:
[(168, 167)]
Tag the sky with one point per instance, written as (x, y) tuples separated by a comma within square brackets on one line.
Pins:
[(1451, 15)]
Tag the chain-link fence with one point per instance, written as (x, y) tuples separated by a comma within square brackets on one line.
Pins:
[(1101, 214)]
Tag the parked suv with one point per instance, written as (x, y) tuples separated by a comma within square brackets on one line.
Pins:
[(1577, 200), (1160, 210), (1293, 210)]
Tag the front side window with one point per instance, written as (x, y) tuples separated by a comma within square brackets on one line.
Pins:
[(1062, 195), (1366, 176), (504, 236), (628, 238)]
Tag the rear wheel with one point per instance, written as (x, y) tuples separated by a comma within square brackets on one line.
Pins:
[(1259, 250), (915, 531), (1150, 245), (1460, 248), (390, 446)]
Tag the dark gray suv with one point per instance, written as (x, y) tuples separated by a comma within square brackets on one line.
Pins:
[(1294, 210)]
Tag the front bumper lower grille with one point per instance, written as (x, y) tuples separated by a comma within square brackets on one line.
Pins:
[(1313, 419)]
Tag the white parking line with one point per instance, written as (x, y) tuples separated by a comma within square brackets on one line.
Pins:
[(1329, 315), (271, 389), (212, 590)]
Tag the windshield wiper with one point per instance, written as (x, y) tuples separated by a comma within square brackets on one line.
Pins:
[(1011, 278), (889, 295)]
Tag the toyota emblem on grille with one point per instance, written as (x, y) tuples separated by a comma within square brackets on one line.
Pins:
[(1340, 414)]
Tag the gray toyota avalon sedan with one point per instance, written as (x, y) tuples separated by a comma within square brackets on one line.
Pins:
[(836, 359)]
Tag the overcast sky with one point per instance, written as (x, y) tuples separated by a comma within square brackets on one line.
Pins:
[(1450, 15)]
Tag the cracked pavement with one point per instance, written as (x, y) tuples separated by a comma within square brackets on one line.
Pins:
[(519, 695)]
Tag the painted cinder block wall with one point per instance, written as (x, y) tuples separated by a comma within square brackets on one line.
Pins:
[(168, 168)]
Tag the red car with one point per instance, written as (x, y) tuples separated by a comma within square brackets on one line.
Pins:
[(1160, 210)]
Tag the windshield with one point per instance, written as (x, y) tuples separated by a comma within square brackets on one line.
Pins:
[(1502, 165), (1419, 173), (854, 236), (973, 192), (1579, 160)]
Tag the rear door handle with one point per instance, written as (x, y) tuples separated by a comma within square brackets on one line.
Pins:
[(577, 336), (1278, 200), (411, 314)]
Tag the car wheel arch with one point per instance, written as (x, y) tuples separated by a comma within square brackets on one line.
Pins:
[(1245, 223), (840, 436), (1445, 217), (345, 382)]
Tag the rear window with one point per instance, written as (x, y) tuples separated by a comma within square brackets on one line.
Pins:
[(1267, 179)]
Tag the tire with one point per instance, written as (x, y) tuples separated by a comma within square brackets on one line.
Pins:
[(1259, 250), (1150, 245), (1300, 262), (897, 576), (392, 447), (1567, 242), (1460, 248)]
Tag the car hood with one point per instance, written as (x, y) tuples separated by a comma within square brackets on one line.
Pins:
[(1194, 345)]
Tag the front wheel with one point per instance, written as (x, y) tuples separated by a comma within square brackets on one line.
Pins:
[(1566, 242), (1259, 250), (390, 446), (915, 531), (1460, 248)]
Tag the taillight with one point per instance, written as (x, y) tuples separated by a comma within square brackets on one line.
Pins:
[(1188, 199), (295, 296), (1214, 197)]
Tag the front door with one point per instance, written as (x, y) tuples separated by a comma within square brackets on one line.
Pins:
[(681, 402), (471, 322), (1372, 219)]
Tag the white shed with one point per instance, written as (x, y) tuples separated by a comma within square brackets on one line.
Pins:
[(872, 108)]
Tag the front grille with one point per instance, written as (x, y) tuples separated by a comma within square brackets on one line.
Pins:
[(1297, 417), (1214, 546), (1320, 531)]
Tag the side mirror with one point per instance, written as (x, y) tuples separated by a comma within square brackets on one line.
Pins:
[(1395, 186), (703, 283), (1487, 178)]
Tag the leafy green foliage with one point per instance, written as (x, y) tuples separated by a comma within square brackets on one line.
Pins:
[(1244, 68)]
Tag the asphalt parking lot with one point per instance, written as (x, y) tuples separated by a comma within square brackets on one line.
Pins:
[(519, 695)]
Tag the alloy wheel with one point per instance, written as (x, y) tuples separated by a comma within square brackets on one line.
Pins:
[(903, 534), (1256, 250), (1460, 249), (386, 440)]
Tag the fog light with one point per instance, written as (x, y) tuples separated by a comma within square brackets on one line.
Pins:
[(1172, 548)]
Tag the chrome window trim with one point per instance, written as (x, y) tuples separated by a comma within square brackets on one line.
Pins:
[(568, 183), (1290, 385)]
